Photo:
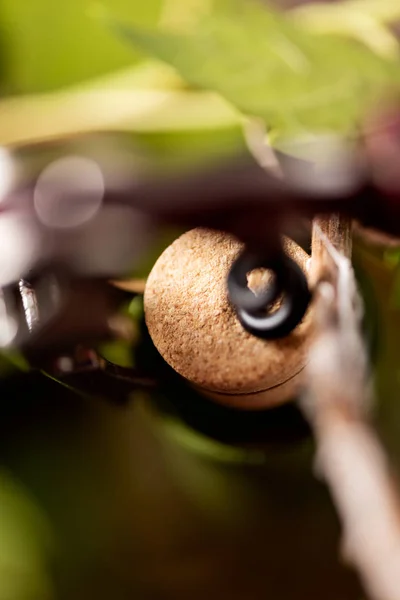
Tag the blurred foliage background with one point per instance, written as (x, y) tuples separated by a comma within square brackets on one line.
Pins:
[(100, 500)]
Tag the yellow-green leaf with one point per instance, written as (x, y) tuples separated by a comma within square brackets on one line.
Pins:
[(260, 61)]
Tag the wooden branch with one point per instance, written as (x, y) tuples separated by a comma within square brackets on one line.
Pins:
[(349, 455), (337, 229), (136, 286)]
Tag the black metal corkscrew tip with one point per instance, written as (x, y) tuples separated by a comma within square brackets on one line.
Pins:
[(254, 312)]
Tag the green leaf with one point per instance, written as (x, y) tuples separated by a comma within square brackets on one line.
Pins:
[(391, 257), (25, 546), (325, 15), (195, 442), (395, 292), (145, 99), (268, 67), (119, 353), (363, 20), (135, 308), (46, 44)]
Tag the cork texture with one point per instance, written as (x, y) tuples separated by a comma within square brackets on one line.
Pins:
[(195, 328)]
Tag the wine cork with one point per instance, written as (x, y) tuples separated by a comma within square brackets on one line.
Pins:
[(195, 328)]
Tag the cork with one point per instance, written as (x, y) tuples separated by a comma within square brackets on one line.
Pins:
[(195, 328)]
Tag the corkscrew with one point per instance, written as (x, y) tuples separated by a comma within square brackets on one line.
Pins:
[(288, 282), (112, 222)]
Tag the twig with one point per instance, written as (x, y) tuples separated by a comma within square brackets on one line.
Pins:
[(338, 230), (136, 286), (349, 456)]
